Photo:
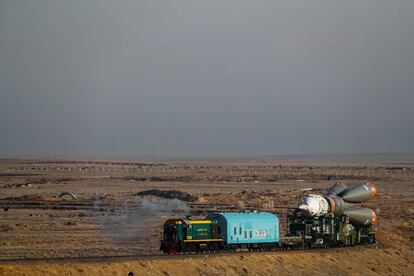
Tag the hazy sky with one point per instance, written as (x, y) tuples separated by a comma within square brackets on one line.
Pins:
[(202, 78)]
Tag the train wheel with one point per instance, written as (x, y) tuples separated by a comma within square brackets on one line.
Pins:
[(173, 251), (192, 249)]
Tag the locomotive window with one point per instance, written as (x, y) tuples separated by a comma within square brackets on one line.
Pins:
[(251, 235), (245, 234), (235, 230), (240, 231)]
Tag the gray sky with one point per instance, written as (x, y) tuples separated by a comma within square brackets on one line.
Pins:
[(202, 78)]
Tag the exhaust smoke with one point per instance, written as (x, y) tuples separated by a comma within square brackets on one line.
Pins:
[(139, 219)]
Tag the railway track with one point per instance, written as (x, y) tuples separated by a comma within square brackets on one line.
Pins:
[(200, 255)]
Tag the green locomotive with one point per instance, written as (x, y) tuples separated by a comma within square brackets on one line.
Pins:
[(187, 235)]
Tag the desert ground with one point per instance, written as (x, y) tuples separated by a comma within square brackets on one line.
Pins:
[(104, 217)]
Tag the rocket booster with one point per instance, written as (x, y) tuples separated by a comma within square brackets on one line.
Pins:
[(360, 193), (362, 216)]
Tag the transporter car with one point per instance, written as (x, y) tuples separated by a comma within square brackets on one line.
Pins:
[(332, 220)]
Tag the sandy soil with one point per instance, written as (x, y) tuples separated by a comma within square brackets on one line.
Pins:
[(349, 261), (107, 218)]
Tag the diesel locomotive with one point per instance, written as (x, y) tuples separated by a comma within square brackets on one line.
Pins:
[(331, 220)]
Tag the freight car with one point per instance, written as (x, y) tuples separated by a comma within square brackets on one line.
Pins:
[(319, 221)]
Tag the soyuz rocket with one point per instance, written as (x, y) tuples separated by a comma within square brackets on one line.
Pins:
[(342, 200)]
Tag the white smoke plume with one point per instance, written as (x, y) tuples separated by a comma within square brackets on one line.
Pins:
[(131, 220)]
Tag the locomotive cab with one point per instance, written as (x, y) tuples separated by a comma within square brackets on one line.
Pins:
[(172, 230), (173, 234)]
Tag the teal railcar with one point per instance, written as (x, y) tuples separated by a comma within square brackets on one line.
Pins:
[(248, 229)]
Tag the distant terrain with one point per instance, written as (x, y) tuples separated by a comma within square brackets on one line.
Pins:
[(60, 208)]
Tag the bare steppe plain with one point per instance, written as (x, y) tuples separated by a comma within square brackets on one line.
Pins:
[(107, 218)]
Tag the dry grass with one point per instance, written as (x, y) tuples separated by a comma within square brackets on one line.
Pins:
[(40, 225)]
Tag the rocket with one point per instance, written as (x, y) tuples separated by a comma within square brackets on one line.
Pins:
[(342, 200)]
